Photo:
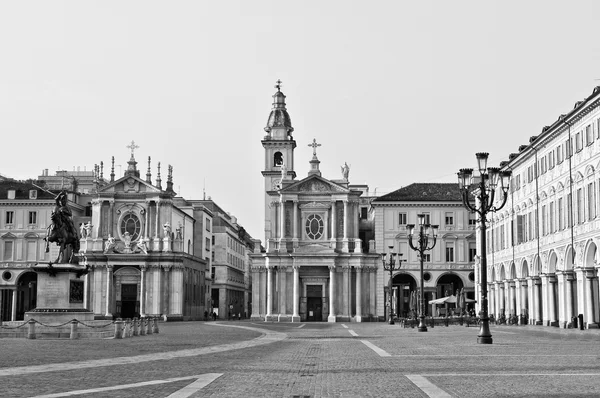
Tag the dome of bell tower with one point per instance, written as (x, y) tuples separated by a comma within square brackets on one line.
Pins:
[(279, 117)]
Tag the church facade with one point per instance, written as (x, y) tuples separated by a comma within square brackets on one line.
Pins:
[(315, 266)]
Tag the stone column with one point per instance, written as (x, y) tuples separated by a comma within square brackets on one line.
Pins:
[(256, 289), (511, 298), (372, 291), (507, 303), (96, 217), (282, 274), (357, 242), (518, 297), (156, 292), (537, 287), (333, 225), (358, 317), (295, 314), (568, 298), (345, 292), (491, 298), (498, 299), (156, 243), (176, 303), (552, 301), (111, 218), (165, 292), (530, 300), (109, 283), (142, 290), (544, 304), (295, 224), (331, 317), (282, 225), (269, 292), (589, 303), (263, 291), (13, 310), (345, 239), (86, 292)]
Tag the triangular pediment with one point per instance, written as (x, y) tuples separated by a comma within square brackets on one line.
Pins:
[(315, 185), (8, 235), (129, 184)]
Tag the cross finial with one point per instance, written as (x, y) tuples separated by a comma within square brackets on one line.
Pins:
[(278, 85), (132, 146), (314, 146)]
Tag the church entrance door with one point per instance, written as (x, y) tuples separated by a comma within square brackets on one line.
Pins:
[(129, 303), (314, 303)]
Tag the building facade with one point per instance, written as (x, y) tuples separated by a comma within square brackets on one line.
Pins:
[(314, 267), (448, 267), (542, 246)]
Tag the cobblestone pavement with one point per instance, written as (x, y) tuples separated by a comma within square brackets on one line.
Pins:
[(258, 359)]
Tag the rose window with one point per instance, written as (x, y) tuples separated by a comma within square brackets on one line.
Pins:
[(131, 223), (314, 226)]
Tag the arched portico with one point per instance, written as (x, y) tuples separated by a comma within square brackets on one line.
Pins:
[(26, 294), (403, 285), (590, 287)]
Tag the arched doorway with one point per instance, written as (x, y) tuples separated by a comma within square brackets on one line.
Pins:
[(402, 285), (447, 285), (591, 287), (26, 294)]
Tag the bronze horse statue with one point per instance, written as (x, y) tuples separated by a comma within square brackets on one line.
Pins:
[(62, 231)]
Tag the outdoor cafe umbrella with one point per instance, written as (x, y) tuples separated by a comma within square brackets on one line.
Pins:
[(444, 300)]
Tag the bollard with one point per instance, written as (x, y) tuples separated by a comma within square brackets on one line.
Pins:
[(31, 329), (128, 328), (74, 335), (142, 326), (118, 329), (149, 324), (135, 327), (155, 325)]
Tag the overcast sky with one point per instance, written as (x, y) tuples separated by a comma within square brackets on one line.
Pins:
[(403, 91)]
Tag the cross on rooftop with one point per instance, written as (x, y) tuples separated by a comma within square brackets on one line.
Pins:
[(314, 146), (278, 85), (132, 146)]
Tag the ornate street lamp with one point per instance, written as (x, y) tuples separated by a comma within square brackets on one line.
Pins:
[(426, 240), (391, 267), (484, 191)]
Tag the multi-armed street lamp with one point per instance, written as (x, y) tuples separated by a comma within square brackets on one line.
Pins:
[(484, 191), (391, 267), (426, 239)]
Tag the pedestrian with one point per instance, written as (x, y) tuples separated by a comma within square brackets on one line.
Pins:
[(239, 316), (206, 315), (214, 316)]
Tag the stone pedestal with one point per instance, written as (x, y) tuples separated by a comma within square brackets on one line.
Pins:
[(60, 294)]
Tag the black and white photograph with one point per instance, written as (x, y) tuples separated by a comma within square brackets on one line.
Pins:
[(299, 199)]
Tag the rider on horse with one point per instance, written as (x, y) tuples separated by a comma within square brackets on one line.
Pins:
[(62, 231)]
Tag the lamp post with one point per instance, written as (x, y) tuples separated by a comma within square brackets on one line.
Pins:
[(391, 267), (484, 191), (424, 239)]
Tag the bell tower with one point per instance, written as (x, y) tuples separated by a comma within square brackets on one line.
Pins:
[(279, 147)]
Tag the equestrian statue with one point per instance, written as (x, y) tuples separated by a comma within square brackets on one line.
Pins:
[(62, 230)]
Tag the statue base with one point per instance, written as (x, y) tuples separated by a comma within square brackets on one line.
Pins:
[(60, 294)]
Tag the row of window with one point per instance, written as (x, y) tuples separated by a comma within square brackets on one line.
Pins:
[(9, 217), (448, 218), (11, 194), (580, 140), (449, 252), (555, 216), (31, 253)]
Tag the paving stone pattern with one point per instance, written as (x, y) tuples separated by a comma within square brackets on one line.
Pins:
[(258, 359)]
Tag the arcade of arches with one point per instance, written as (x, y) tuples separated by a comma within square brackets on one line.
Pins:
[(405, 283), (542, 294)]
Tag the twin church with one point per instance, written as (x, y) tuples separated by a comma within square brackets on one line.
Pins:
[(317, 265)]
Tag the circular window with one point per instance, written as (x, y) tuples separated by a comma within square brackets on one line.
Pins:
[(471, 276), (130, 223), (314, 226), (6, 275), (427, 276)]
